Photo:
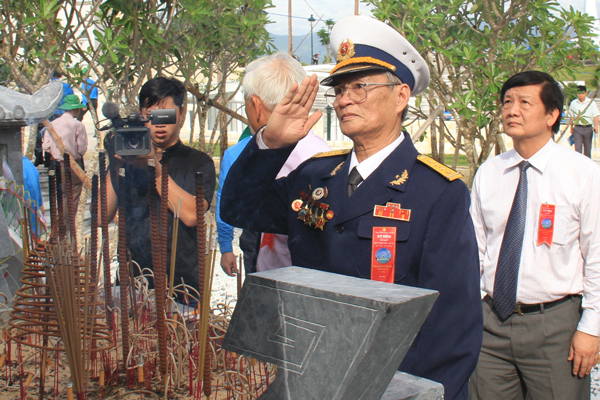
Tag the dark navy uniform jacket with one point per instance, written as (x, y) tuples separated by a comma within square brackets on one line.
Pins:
[(436, 249)]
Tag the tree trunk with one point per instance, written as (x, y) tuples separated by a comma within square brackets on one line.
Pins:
[(457, 149), (441, 141), (223, 133), (500, 145), (192, 118), (202, 112), (433, 141), (470, 152)]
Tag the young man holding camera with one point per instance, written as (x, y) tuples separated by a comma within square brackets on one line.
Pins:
[(158, 94)]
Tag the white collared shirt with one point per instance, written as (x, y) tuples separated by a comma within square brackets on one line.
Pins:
[(368, 165), (571, 265), (587, 118)]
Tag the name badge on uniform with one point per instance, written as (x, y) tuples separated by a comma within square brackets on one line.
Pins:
[(383, 257), (392, 211), (546, 224)]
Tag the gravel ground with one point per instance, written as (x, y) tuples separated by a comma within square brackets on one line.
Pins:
[(595, 384), (224, 287)]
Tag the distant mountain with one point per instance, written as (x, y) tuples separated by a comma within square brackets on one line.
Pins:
[(301, 48)]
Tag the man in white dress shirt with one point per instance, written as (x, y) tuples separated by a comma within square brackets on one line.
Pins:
[(585, 121), (535, 210)]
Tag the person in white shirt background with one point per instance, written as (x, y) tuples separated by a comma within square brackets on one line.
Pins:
[(585, 121)]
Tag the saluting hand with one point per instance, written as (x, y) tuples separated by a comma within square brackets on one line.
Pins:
[(290, 120)]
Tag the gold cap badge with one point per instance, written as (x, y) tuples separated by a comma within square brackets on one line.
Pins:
[(345, 51)]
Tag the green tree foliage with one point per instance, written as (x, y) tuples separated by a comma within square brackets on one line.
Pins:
[(323, 35), (125, 43), (208, 54), (472, 47)]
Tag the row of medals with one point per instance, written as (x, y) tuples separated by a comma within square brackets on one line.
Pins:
[(311, 211)]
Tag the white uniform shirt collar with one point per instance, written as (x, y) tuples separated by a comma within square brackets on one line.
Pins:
[(367, 166)]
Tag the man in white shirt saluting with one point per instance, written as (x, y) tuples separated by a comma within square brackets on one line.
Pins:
[(535, 210)]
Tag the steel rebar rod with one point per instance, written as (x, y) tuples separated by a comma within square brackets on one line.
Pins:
[(94, 234), (123, 268), (70, 203), (160, 275), (108, 298), (62, 228), (52, 195), (204, 359)]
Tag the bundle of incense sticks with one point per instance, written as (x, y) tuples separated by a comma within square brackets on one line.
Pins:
[(205, 285), (74, 295)]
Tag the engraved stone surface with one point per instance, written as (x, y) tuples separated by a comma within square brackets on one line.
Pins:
[(331, 336), (11, 264), (409, 387), (6, 243), (31, 108)]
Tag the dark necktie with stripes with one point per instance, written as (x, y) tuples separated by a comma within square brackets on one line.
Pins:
[(507, 271)]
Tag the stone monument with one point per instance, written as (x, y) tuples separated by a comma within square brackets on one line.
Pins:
[(331, 336), (16, 111)]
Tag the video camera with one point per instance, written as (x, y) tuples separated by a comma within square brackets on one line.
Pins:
[(132, 138)]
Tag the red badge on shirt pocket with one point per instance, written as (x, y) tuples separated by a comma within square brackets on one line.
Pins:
[(383, 257), (546, 224)]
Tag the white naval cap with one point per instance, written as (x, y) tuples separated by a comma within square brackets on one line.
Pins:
[(365, 43)]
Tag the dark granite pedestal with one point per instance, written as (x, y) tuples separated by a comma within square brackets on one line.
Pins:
[(331, 336)]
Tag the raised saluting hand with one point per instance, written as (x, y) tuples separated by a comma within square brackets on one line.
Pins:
[(290, 120)]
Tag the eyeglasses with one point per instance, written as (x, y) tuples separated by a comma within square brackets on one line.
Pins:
[(356, 91)]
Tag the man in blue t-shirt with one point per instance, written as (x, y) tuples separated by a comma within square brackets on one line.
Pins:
[(88, 87), (33, 194), (67, 90)]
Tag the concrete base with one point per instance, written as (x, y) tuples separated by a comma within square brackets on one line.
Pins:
[(409, 387)]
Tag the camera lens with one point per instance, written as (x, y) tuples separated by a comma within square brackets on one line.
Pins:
[(133, 142)]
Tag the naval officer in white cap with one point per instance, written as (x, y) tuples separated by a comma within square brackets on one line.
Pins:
[(335, 206)]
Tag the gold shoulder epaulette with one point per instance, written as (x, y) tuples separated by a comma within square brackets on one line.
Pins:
[(441, 169), (332, 153)]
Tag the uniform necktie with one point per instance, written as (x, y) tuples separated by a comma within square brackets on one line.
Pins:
[(507, 271), (353, 180)]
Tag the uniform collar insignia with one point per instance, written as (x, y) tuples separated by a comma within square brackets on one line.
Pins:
[(336, 169), (400, 179)]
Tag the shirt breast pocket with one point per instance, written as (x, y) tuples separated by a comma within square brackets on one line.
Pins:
[(562, 219)]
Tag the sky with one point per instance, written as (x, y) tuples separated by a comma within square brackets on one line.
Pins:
[(336, 10), (301, 11)]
